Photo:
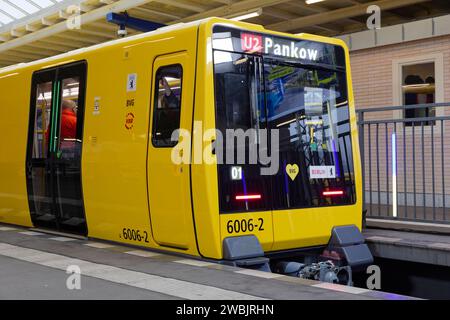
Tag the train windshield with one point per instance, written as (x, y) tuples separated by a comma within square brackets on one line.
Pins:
[(293, 94)]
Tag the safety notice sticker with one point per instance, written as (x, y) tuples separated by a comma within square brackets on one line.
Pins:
[(322, 172)]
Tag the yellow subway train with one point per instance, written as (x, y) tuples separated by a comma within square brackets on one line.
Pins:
[(137, 140)]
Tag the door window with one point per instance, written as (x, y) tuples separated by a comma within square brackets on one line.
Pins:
[(69, 135), (43, 103), (167, 105)]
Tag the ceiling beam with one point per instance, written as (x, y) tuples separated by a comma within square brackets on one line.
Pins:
[(22, 55), (280, 14), (233, 8), (91, 16), (68, 45), (32, 50), (10, 60), (157, 13), (224, 1), (72, 36), (185, 5), (318, 9), (339, 14), (38, 45)]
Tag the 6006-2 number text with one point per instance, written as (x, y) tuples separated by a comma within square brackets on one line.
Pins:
[(244, 225), (134, 235)]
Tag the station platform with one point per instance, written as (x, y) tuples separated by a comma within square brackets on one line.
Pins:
[(34, 264), (409, 246)]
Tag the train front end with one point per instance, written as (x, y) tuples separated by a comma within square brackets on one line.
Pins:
[(288, 164)]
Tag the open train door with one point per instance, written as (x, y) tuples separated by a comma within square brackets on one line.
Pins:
[(53, 164), (169, 180)]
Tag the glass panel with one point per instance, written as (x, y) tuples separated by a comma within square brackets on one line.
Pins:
[(166, 114), (68, 164), (418, 87), (42, 120), (310, 109), (239, 89), (69, 142), (39, 171)]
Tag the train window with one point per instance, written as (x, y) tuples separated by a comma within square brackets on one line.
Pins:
[(42, 120), (69, 137), (309, 108), (167, 105), (239, 91)]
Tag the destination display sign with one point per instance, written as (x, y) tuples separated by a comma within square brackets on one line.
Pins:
[(277, 47), (306, 51)]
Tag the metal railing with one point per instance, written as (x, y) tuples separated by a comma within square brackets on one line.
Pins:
[(405, 168)]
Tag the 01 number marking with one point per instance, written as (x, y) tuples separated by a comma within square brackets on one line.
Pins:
[(244, 225), (134, 235)]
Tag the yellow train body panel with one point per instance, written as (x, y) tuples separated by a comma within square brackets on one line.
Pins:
[(126, 179), (13, 192)]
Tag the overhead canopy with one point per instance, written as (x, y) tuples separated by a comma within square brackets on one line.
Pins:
[(34, 29)]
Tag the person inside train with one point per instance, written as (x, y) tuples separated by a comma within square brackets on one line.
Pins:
[(68, 121), (169, 100), (168, 113)]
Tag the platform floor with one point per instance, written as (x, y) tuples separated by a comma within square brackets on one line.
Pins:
[(409, 246), (34, 264)]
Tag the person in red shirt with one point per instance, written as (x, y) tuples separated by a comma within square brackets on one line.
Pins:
[(68, 121)]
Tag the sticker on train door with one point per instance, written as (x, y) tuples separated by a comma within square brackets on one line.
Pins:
[(322, 172), (129, 121), (292, 171), (132, 82), (96, 110)]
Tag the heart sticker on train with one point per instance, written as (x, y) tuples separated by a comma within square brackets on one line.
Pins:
[(292, 171)]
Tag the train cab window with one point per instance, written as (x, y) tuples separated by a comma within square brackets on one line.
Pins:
[(42, 120), (167, 105)]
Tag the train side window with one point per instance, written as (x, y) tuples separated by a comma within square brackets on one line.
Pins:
[(167, 105), (42, 119)]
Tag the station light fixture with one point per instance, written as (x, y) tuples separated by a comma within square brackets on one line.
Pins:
[(313, 1), (247, 15)]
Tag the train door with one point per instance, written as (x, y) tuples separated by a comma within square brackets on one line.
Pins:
[(53, 163), (168, 179)]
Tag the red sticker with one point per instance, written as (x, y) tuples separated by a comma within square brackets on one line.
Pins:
[(251, 42), (129, 120)]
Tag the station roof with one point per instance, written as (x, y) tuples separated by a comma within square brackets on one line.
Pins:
[(34, 29)]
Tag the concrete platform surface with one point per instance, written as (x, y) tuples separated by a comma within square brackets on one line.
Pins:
[(409, 246), (37, 265)]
